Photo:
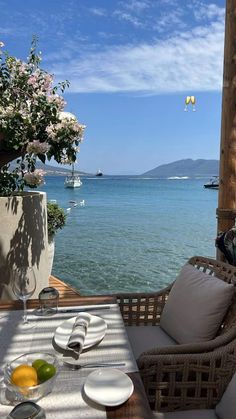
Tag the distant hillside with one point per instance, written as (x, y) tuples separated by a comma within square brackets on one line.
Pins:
[(186, 167), (57, 170), (53, 170)]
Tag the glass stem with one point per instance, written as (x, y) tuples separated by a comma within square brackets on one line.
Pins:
[(25, 320)]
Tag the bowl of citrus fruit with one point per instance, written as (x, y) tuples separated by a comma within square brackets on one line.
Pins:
[(31, 376)]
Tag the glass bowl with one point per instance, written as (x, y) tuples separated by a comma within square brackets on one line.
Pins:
[(34, 392)]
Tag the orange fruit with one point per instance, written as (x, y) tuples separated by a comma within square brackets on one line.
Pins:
[(24, 376), (38, 363), (45, 372)]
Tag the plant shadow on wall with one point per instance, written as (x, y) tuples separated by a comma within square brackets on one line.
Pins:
[(33, 125), (23, 241)]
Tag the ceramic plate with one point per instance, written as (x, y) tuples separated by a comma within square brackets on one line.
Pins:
[(108, 387), (95, 333)]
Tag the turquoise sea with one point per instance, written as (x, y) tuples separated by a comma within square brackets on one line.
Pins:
[(132, 233)]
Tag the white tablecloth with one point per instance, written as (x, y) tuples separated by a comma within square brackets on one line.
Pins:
[(67, 399)]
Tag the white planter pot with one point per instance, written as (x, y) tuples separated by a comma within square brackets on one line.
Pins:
[(23, 239)]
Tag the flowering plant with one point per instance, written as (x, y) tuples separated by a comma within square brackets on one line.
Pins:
[(32, 122)]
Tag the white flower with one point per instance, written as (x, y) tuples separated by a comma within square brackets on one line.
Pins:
[(34, 178), (67, 115), (37, 147), (65, 160), (32, 80), (2, 44), (58, 101)]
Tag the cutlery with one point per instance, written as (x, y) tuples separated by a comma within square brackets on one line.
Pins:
[(81, 309), (93, 365)]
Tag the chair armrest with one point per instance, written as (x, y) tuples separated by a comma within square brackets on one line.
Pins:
[(187, 381), (198, 347), (141, 309)]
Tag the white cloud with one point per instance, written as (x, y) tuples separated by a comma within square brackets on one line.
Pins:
[(97, 11), (204, 11), (189, 61), (6, 31), (169, 2), (128, 17), (169, 20), (136, 5)]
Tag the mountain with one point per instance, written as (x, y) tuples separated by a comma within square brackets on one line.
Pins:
[(57, 170), (186, 167), (53, 170)]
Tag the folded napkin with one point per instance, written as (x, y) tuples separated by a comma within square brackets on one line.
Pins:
[(78, 333)]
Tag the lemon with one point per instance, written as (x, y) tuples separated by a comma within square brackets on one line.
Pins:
[(45, 372), (38, 363), (24, 376)]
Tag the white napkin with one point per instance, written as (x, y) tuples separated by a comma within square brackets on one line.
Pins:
[(78, 333)]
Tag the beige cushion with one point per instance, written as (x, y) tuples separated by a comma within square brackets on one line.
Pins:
[(226, 408), (143, 338), (196, 306), (187, 414)]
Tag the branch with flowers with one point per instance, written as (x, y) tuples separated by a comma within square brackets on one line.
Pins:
[(33, 124)]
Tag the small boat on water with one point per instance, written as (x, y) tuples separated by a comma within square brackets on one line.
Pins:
[(99, 173), (73, 180), (213, 183)]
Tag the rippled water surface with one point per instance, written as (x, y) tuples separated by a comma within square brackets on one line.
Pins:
[(132, 233)]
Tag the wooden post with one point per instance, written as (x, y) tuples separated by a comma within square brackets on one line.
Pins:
[(226, 211)]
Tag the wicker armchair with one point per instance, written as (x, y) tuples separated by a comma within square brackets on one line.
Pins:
[(184, 376)]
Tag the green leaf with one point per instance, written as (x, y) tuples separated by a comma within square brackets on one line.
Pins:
[(42, 158)]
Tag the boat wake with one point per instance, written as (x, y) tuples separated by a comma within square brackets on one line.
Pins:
[(177, 177)]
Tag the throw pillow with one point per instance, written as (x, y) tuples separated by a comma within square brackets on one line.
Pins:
[(196, 306)]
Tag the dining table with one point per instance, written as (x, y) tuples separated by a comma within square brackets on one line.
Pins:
[(68, 399)]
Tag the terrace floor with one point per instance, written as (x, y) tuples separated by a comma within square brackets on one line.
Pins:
[(65, 290)]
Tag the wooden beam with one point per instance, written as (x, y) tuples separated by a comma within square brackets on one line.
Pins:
[(226, 211)]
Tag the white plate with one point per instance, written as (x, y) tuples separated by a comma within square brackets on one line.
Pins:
[(95, 332), (108, 386)]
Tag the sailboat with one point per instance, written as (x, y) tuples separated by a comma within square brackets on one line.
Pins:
[(73, 180)]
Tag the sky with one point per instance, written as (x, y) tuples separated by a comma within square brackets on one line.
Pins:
[(131, 64)]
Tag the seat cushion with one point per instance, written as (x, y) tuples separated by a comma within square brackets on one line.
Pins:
[(196, 306), (143, 338), (226, 408), (187, 414)]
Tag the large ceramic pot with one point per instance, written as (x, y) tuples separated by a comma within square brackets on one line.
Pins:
[(23, 239)]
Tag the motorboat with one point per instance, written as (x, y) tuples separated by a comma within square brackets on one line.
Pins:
[(73, 180), (99, 173), (213, 183)]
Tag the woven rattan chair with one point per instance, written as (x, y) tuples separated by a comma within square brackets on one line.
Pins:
[(184, 376), (225, 409)]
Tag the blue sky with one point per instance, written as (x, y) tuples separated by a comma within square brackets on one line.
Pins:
[(131, 64)]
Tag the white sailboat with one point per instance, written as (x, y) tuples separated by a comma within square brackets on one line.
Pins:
[(73, 180)]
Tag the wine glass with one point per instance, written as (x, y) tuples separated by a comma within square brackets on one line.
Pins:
[(23, 286)]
